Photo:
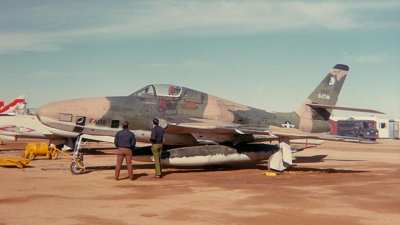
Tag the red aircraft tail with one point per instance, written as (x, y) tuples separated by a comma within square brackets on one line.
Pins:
[(12, 105)]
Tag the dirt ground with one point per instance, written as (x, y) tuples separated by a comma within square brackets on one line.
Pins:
[(337, 183)]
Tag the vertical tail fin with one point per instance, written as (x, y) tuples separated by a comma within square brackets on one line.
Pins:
[(13, 105), (326, 93)]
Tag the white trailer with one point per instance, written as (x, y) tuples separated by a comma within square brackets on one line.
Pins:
[(388, 128)]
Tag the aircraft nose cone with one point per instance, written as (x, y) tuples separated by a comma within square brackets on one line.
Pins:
[(49, 111), (41, 112)]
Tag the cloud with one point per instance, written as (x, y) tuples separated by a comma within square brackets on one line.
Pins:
[(190, 63), (12, 42), (49, 74), (154, 65), (372, 58), (187, 63), (49, 25)]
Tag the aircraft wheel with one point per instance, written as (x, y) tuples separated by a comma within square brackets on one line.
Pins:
[(77, 167), (54, 155), (31, 156)]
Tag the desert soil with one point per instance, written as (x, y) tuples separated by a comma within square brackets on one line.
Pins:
[(337, 183)]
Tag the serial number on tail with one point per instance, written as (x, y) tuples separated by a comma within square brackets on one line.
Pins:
[(324, 96)]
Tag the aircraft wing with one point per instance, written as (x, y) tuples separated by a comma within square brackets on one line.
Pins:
[(344, 108), (188, 125), (293, 133), (184, 125), (201, 127), (98, 138)]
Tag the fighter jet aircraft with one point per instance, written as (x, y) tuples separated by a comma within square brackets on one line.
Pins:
[(28, 126), (14, 107), (204, 129)]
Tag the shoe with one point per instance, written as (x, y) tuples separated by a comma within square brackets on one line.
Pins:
[(116, 179), (157, 177)]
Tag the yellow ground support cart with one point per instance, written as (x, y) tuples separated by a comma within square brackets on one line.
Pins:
[(20, 163), (42, 150)]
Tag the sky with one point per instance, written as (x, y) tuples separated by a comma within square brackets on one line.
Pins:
[(264, 54)]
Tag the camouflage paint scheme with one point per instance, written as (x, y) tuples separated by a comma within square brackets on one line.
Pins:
[(189, 112), (194, 118)]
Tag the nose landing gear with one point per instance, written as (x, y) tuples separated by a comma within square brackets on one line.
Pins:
[(77, 165)]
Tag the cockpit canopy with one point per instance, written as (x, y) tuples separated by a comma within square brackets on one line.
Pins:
[(159, 90)]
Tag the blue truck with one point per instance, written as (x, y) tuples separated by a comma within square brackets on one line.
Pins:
[(358, 128)]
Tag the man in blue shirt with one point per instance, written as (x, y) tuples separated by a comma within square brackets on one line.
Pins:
[(157, 136), (125, 141)]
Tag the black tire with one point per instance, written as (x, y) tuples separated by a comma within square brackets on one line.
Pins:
[(77, 167)]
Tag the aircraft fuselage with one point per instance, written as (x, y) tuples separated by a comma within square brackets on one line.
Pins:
[(103, 115)]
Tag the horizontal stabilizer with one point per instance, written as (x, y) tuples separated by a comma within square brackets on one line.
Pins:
[(294, 133), (344, 108)]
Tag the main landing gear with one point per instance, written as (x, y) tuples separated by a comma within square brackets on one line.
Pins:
[(282, 159)]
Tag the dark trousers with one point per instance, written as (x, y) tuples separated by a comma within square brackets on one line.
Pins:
[(156, 149), (124, 153)]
